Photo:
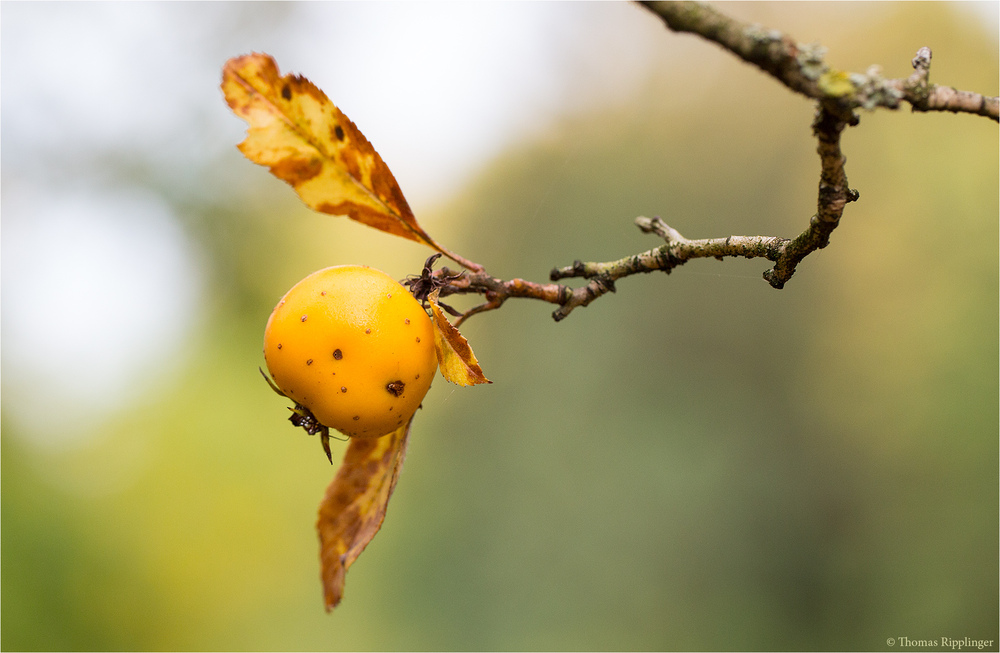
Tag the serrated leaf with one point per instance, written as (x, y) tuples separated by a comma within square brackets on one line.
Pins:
[(455, 357), (354, 505), (305, 140)]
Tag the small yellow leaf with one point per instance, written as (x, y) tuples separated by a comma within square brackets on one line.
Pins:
[(458, 363), (306, 141), (354, 506)]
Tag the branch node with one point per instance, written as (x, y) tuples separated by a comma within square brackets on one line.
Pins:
[(771, 276), (922, 62), (801, 68), (578, 269), (656, 225)]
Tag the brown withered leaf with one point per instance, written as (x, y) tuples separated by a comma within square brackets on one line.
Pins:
[(455, 358), (354, 506), (305, 140)]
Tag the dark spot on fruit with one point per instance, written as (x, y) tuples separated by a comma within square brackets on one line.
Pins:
[(368, 331), (395, 388), (416, 377), (357, 417), (309, 362), (339, 132), (406, 321), (286, 92), (337, 354), (388, 295), (279, 345), (304, 317), (323, 293), (343, 388)]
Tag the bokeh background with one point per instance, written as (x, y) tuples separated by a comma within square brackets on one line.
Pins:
[(695, 462)]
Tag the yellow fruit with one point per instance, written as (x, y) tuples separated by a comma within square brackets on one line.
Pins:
[(354, 347)]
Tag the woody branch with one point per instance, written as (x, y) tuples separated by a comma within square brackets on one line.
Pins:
[(801, 69)]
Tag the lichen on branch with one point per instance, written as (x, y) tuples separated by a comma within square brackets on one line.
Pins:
[(924, 96), (834, 194), (801, 68)]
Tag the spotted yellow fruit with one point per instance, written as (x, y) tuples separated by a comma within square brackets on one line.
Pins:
[(354, 347)]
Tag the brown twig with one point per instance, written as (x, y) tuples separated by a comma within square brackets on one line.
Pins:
[(834, 195), (797, 67), (801, 68), (924, 96), (497, 291)]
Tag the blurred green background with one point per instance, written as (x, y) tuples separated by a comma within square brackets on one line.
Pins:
[(695, 462)]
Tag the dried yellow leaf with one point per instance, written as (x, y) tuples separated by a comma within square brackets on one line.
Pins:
[(455, 357), (305, 140), (354, 506)]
